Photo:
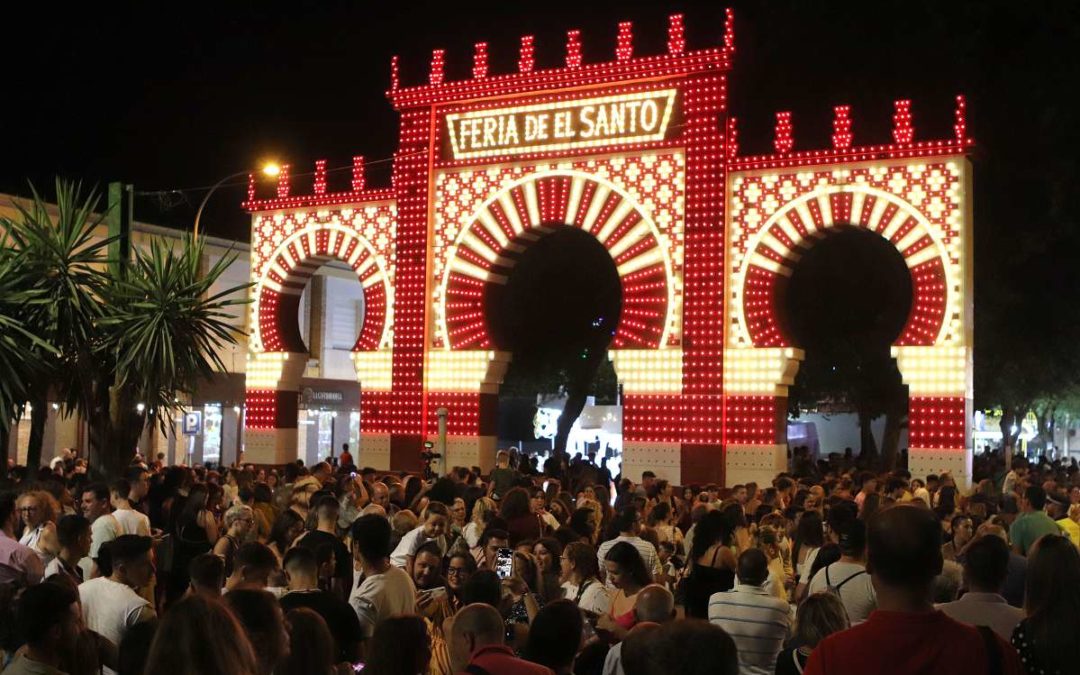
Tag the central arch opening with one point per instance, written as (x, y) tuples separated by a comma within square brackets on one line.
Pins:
[(557, 314), (845, 304)]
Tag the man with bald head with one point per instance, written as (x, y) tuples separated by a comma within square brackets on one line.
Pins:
[(655, 605), (476, 644)]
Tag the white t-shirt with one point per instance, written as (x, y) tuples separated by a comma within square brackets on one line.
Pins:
[(103, 529), (381, 596), (111, 608), (857, 595), (595, 599), (132, 522), (408, 546)]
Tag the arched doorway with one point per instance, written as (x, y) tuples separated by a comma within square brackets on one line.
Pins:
[(777, 219), (557, 314), (845, 304), (507, 220), (293, 251)]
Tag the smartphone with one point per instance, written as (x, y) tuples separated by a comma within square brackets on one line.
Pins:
[(504, 563), (357, 667)]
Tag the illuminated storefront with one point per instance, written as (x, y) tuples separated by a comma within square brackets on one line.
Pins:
[(641, 153)]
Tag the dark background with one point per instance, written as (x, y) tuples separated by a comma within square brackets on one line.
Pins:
[(175, 96)]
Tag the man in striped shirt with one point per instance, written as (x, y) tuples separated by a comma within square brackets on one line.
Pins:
[(755, 619), (628, 520)]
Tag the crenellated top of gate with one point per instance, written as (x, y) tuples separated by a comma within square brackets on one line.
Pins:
[(678, 61), (844, 148)]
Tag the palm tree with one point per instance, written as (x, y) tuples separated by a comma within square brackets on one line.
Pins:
[(19, 348), (122, 333), (65, 267), (160, 336)]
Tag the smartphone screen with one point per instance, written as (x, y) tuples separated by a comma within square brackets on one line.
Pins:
[(504, 563)]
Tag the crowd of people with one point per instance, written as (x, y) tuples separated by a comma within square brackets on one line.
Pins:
[(336, 569)]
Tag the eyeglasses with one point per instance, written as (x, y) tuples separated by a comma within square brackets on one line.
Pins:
[(30, 509), (456, 571)]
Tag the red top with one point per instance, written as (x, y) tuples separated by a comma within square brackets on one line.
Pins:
[(907, 643), (500, 660)]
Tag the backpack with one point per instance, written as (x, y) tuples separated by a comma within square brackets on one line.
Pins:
[(835, 590)]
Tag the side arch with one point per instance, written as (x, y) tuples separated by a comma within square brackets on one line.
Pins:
[(779, 244), (292, 265), (486, 250)]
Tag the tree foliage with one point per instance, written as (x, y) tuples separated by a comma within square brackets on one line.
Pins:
[(121, 344)]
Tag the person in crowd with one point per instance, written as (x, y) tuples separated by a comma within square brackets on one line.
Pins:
[(238, 521), (301, 572), (689, 647), (848, 576), (818, 617), (521, 522), (38, 510), (487, 553), (138, 478), (757, 620), (201, 636), (502, 476), (387, 590), (986, 562), (1046, 637), (1033, 523), (555, 637), (134, 651), (196, 533), (661, 519), (313, 650), (581, 582), (628, 525), (285, 530), (712, 563), (628, 575), (1070, 524), (482, 511), (436, 518), (19, 564), (460, 566), (400, 646), (808, 540), (264, 623), (962, 531), (906, 634), (327, 509), (946, 585), (95, 505), (73, 533), (655, 606), (769, 542), (111, 605), (207, 574), (585, 524), (131, 521), (253, 565), (459, 516), (476, 645), (49, 619)]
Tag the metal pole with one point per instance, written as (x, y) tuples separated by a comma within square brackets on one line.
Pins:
[(205, 199), (442, 413)]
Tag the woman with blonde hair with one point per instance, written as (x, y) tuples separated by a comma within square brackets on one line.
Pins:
[(39, 511), (201, 636), (482, 511), (820, 615)]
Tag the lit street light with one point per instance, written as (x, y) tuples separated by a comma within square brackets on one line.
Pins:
[(270, 169)]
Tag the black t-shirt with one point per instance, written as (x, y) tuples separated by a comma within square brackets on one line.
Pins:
[(339, 616), (343, 563)]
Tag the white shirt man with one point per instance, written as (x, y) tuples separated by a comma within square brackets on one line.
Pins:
[(755, 619), (111, 604)]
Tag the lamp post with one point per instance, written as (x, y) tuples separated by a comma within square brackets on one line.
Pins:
[(269, 169)]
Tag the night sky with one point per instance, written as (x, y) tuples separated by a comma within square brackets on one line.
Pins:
[(178, 99)]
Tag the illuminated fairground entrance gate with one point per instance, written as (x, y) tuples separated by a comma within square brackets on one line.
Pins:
[(640, 153)]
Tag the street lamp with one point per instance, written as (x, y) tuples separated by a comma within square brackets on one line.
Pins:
[(270, 169)]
